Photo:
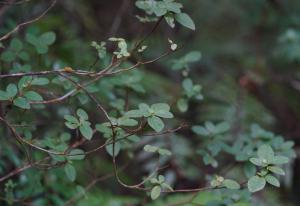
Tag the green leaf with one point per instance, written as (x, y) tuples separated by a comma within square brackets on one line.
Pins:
[(109, 148), (127, 122), (71, 119), (134, 113), (11, 90), (160, 106), (173, 6), (187, 84), (182, 105), (155, 123), (256, 183), (3, 96), (265, 152), (164, 152), (24, 82), (272, 180), (22, 103), (279, 160), (31, 39), (276, 170), (150, 148), (48, 38), (8, 56), (185, 20), (16, 45), (40, 81), (144, 109), (71, 125), (155, 192), (231, 184), (23, 55), (41, 48), (82, 114), (166, 186), (33, 96), (200, 130), (256, 161), (86, 130), (164, 114), (170, 20), (70, 172), (192, 56), (76, 154)]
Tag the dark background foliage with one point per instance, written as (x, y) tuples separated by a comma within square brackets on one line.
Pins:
[(249, 72)]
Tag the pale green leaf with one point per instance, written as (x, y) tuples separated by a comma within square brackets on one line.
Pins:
[(185, 20), (256, 183), (155, 123)]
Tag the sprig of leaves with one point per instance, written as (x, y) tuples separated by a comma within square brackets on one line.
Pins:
[(153, 114), (158, 185), (170, 9), (267, 161), (81, 123)]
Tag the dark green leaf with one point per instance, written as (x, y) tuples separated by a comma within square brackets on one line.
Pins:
[(22, 103), (70, 172)]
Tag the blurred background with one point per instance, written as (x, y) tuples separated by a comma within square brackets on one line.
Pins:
[(248, 70)]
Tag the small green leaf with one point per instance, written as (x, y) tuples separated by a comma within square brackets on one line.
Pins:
[(11, 90), (276, 170), (109, 148), (22, 103), (185, 20), (76, 154), (8, 56), (134, 113), (127, 122), (150, 148), (166, 186), (70, 172), (24, 82), (71, 119), (256, 183), (86, 130), (40, 81), (3, 96), (187, 84), (155, 192), (279, 160), (48, 38), (192, 56), (256, 161), (82, 114), (16, 45), (160, 107), (182, 105), (155, 123), (272, 180), (144, 109), (200, 130), (164, 152), (33, 96), (231, 184), (164, 114), (265, 152)]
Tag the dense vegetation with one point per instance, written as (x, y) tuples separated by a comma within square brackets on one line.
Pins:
[(149, 102)]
